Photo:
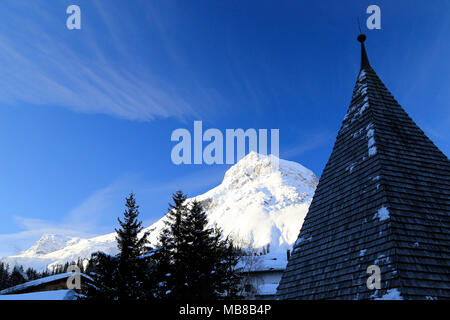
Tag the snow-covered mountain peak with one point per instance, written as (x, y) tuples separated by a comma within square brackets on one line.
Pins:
[(259, 171), (252, 166), (261, 202), (49, 243)]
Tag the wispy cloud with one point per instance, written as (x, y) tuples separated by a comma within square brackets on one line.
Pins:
[(43, 63), (93, 216), (32, 230), (195, 182), (97, 214), (309, 143)]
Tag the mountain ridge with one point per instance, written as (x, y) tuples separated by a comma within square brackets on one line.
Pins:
[(261, 202)]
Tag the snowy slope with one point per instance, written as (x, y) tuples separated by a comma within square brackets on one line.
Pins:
[(49, 243), (82, 248), (258, 203), (43, 295)]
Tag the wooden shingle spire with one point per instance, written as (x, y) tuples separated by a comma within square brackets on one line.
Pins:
[(383, 200)]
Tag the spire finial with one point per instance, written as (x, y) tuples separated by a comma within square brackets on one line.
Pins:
[(362, 37), (364, 59)]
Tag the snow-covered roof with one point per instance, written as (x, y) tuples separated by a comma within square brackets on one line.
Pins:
[(38, 282), (42, 295), (263, 263), (267, 289)]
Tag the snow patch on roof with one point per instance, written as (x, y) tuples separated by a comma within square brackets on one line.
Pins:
[(362, 75), (350, 167), (357, 133), (363, 108), (267, 289), (300, 240), (391, 294), (269, 262), (381, 259), (371, 140), (42, 295), (382, 214)]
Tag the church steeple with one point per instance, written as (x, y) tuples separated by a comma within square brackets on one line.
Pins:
[(364, 59), (383, 200)]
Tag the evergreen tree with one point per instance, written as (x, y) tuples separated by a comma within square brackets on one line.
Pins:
[(192, 262), (45, 273), (128, 275), (228, 279), (57, 269), (32, 274), (80, 264), (211, 260), (168, 257), (132, 264), (4, 276), (17, 276), (103, 273), (66, 267)]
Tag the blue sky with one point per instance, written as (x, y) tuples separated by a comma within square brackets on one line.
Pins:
[(86, 115)]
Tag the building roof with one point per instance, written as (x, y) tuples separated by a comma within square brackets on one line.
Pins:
[(270, 262), (383, 199), (30, 285), (42, 295)]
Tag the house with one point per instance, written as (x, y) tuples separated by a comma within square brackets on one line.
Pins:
[(262, 274), (56, 282)]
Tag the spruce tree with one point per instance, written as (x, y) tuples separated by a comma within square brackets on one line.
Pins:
[(45, 273), (80, 264), (17, 276), (192, 261), (132, 264), (168, 257), (126, 276), (4, 276), (228, 279), (210, 259), (102, 273), (31, 274)]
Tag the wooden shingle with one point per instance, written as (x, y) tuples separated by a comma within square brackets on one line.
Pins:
[(383, 199)]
